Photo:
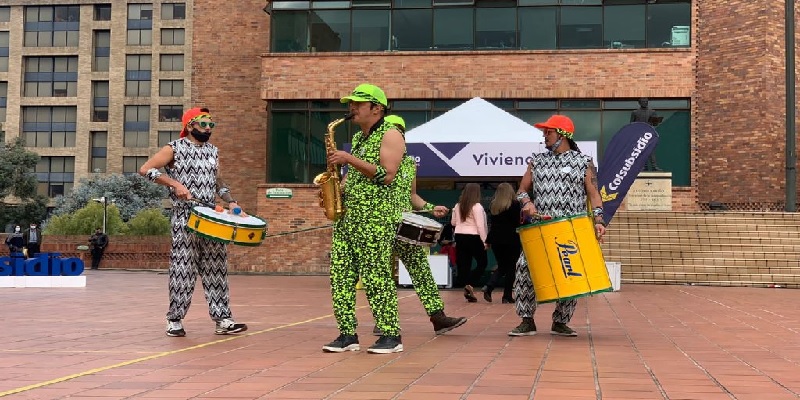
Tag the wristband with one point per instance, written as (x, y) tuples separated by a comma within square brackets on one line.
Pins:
[(380, 175), (522, 195), (153, 174), (597, 211)]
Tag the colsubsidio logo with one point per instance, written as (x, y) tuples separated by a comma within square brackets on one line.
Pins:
[(637, 150), (564, 251)]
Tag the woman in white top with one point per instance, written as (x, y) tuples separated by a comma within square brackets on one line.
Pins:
[(469, 220)]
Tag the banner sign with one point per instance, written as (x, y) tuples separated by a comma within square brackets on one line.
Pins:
[(625, 156), (479, 159)]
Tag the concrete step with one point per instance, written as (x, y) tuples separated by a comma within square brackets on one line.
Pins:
[(694, 277)]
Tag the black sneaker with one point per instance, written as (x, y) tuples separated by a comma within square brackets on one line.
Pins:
[(377, 331), (442, 323), (526, 328), (469, 294), (487, 294), (342, 343), (561, 329), (387, 345), (175, 329), (228, 326), (507, 300)]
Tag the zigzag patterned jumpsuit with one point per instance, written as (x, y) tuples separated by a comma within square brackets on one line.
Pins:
[(362, 242), (415, 258), (558, 190), (196, 166)]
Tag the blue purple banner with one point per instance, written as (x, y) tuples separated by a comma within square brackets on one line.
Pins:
[(625, 156)]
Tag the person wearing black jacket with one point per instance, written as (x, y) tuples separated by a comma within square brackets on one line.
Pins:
[(503, 239), (98, 243)]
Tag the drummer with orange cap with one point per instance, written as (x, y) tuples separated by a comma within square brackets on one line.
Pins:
[(560, 179), (192, 166)]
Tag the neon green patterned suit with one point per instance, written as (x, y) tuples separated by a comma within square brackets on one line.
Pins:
[(415, 258), (363, 238)]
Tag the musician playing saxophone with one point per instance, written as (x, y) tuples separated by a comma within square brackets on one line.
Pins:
[(363, 235)]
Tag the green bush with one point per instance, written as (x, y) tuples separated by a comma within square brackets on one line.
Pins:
[(149, 222), (86, 220)]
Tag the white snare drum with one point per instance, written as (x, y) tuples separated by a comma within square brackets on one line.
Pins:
[(227, 228), (418, 230)]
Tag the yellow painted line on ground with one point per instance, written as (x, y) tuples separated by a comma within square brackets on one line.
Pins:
[(163, 354)]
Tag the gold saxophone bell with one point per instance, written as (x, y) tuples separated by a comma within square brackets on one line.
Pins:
[(330, 181)]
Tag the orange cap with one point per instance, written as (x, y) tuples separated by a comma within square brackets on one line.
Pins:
[(190, 116), (559, 122)]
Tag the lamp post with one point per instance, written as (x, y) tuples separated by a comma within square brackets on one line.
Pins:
[(104, 201)]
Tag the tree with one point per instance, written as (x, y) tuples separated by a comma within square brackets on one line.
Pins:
[(86, 220), (20, 201), (130, 194)]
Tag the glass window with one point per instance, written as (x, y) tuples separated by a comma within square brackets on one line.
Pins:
[(170, 88), (136, 127), (171, 62), (173, 11), (537, 28), (669, 25), (131, 164), (102, 12), (49, 126), (370, 30), (289, 31), (453, 28), (99, 143), (56, 175), (581, 28), (288, 144), (138, 73), (287, 5), (623, 27), (4, 51), (495, 28), (412, 3), (330, 31), (330, 4), (170, 113), (371, 3), (411, 30), (51, 77), (102, 50), (100, 101), (538, 2), (172, 36), (164, 137), (47, 26), (140, 37), (5, 14)]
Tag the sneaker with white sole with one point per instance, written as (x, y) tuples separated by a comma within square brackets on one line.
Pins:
[(228, 326), (561, 329), (526, 328), (175, 329), (386, 345), (342, 343)]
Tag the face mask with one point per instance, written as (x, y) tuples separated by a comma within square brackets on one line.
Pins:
[(556, 144), (33, 226), (16, 229), (201, 136)]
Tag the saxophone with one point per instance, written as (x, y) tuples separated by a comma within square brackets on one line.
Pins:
[(330, 180)]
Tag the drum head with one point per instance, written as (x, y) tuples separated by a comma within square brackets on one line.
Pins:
[(227, 218), (419, 220)]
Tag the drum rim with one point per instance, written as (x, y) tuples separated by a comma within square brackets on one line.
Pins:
[(576, 296), (230, 223), (219, 240), (412, 222), (551, 221)]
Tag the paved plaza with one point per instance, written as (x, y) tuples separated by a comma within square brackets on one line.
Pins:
[(106, 341)]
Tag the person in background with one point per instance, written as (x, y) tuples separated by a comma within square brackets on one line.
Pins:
[(469, 220), (97, 244), (15, 241), (503, 239), (33, 239)]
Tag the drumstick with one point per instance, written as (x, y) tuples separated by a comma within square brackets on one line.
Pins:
[(216, 207)]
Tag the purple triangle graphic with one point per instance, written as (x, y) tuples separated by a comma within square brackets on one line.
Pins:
[(449, 149)]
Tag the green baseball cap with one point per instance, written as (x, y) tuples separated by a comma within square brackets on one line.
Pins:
[(367, 92), (396, 120)]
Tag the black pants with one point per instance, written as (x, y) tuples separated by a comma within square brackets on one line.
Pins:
[(469, 247), (506, 253), (97, 255), (33, 248)]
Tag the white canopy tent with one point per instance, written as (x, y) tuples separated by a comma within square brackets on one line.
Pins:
[(476, 139)]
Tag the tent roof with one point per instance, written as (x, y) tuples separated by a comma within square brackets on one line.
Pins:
[(475, 121)]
